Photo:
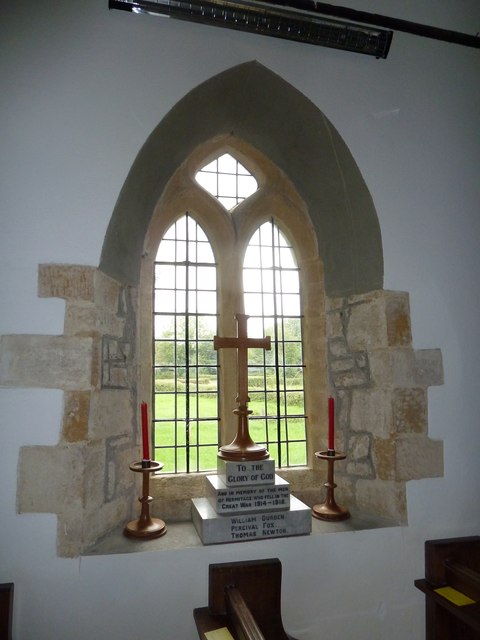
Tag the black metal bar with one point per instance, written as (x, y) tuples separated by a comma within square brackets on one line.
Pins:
[(274, 21), (414, 28), (312, 7)]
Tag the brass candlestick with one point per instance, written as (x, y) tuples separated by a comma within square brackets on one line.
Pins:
[(145, 527), (330, 510)]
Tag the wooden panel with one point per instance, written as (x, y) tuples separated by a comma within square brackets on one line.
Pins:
[(6, 610), (463, 550), (453, 562)]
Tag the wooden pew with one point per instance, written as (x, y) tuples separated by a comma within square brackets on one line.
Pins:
[(244, 597), (6, 610), (455, 563)]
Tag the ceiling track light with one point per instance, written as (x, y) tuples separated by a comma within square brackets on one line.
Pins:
[(277, 20)]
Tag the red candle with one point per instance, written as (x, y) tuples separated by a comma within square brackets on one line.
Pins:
[(146, 454), (331, 424)]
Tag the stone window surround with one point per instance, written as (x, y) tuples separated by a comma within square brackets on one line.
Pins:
[(229, 234), (380, 381)]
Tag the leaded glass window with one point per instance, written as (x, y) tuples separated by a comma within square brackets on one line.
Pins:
[(187, 380), (227, 180), (276, 388), (185, 366)]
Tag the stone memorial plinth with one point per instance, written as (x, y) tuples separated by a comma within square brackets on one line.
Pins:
[(248, 501), (225, 499), (239, 474)]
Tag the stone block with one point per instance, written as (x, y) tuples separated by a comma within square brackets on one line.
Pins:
[(367, 322), (334, 324), (301, 479), (383, 498), (173, 487), (359, 446), (76, 412), (393, 367), (344, 492), (111, 413), (362, 469), (94, 485), (70, 532), (384, 458), (119, 478), (98, 522), (341, 365), (86, 319), (371, 411), (215, 529), (429, 367), (226, 500), (342, 408), (116, 355), (334, 304), (74, 282), (350, 379), (418, 457), (397, 311), (379, 319), (410, 410), (361, 360), (128, 302), (338, 347), (50, 362), (106, 291), (50, 479)]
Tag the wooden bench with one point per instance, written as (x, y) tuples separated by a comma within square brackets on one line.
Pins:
[(244, 597), (455, 563)]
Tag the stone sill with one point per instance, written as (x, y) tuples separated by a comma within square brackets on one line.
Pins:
[(183, 535)]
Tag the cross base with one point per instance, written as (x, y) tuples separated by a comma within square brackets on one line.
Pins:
[(240, 453), (243, 447)]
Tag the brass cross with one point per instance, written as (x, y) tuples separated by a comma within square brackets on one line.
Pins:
[(243, 343)]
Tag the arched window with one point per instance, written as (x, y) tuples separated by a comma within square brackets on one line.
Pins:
[(200, 282), (185, 408), (271, 290)]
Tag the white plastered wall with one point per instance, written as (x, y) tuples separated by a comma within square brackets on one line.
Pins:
[(82, 88)]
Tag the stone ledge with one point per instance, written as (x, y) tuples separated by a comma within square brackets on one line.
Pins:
[(182, 535)]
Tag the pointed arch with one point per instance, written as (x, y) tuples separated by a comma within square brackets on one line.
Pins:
[(255, 104)]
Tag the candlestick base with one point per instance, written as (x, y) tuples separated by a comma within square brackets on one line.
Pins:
[(152, 529), (329, 510), (145, 527)]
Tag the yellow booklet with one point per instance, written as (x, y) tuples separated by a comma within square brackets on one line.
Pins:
[(219, 634), (457, 597)]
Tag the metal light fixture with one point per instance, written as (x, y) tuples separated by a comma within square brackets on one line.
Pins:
[(300, 23)]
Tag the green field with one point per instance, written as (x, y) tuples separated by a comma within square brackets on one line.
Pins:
[(203, 432)]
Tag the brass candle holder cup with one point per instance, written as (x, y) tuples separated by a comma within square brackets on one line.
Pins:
[(145, 527), (330, 510)]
